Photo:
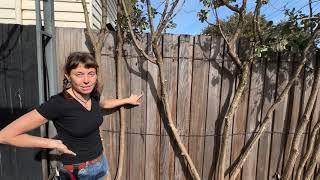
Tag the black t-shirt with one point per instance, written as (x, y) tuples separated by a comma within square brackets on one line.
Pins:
[(77, 127)]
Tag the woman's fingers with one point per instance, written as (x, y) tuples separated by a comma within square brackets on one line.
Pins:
[(67, 151), (59, 146), (135, 99)]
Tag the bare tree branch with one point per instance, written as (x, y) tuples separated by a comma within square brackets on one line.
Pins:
[(240, 161), (150, 15), (89, 31), (136, 43), (163, 24), (166, 106), (294, 151), (310, 18), (256, 22), (103, 29), (119, 73), (227, 127), (313, 162), (232, 8), (241, 13), (164, 12), (232, 54), (309, 151)]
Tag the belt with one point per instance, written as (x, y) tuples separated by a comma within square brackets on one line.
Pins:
[(82, 165)]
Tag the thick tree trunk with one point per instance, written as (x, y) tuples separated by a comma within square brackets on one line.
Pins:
[(119, 60), (294, 151), (266, 121), (308, 153), (165, 103), (227, 120)]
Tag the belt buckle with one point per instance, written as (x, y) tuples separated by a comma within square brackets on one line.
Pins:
[(75, 166)]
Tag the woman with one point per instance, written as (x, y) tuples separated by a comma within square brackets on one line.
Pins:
[(76, 115)]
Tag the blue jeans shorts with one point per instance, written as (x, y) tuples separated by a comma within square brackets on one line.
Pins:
[(95, 171)]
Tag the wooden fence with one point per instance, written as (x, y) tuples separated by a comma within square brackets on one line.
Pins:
[(201, 83)]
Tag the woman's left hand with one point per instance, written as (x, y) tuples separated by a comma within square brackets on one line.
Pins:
[(134, 99)]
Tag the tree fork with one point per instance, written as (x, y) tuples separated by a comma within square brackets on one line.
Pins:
[(166, 106), (294, 152), (226, 131), (240, 161)]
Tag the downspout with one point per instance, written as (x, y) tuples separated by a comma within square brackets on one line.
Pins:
[(41, 93)]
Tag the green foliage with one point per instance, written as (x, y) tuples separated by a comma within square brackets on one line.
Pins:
[(230, 24), (139, 16), (289, 35)]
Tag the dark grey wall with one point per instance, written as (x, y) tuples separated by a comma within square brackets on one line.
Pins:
[(18, 95)]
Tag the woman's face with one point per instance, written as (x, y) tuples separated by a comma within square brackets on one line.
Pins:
[(83, 79)]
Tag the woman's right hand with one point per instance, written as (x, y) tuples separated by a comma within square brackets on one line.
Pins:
[(60, 147)]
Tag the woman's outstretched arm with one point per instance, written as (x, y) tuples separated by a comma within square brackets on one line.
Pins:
[(112, 103), (15, 134)]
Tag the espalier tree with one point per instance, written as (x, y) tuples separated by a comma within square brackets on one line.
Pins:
[(298, 34)]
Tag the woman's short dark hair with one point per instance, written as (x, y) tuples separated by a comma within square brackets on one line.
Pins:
[(73, 60)]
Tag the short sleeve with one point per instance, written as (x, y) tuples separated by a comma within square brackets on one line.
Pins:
[(50, 109)]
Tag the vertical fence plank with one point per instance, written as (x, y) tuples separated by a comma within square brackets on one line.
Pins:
[(125, 81), (67, 40), (280, 115), (183, 98), (76, 39), (212, 107), (199, 100), (170, 54), (294, 107), (110, 126), (254, 116), (152, 125), (60, 56), (269, 89), (138, 117), (228, 81)]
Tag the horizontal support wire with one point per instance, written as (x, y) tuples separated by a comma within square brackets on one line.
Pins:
[(200, 135)]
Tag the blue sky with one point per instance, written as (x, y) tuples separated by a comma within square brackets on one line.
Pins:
[(188, 23)]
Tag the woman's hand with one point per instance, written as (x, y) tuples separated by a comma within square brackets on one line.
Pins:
[(60, 147), (134, 99)]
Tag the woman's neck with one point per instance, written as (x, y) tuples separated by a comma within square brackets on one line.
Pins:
[(79, 96)]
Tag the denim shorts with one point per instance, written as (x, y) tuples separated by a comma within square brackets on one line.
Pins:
[(95, 171)]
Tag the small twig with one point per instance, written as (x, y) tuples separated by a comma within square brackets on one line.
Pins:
[(136, 43), (232, 8), (231, 53)]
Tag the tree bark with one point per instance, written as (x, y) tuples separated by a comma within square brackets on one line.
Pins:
[(119, 72), (242, 158), (227, 120), (294, 151), (308, 153), (168, 117)]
